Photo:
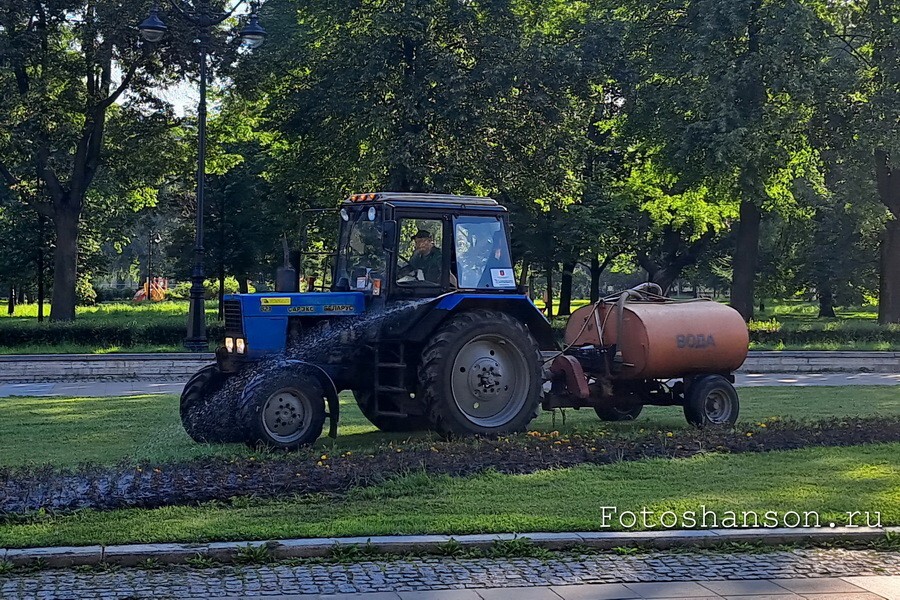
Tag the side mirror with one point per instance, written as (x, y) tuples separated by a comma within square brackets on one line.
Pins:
[(389, 235)]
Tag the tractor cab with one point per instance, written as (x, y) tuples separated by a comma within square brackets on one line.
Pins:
[(417, 312), (397, 246)]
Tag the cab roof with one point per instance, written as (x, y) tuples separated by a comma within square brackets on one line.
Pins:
[(418, 198)]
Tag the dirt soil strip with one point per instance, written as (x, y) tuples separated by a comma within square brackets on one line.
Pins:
[(26, 490)]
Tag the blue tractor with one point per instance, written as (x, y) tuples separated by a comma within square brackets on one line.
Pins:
[(422, 319)]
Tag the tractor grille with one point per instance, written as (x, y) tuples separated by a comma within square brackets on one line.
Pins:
[(234, 318)]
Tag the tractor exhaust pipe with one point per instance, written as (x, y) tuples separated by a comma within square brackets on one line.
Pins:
[(286, 276)]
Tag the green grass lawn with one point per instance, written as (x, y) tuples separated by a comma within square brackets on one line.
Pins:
[(68, 431), (109, 312), (831, 481)]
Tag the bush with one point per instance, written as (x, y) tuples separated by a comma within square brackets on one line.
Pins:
[(823, 335), (85, 293), (98, 333), (182, 291)]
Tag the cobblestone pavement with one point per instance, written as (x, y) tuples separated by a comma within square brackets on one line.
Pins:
[(444, 574)]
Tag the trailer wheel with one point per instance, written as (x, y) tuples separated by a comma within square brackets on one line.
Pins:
[(365, 401), (203, 416), (481, 374), (619, 413), (711, 400), (284, 411)]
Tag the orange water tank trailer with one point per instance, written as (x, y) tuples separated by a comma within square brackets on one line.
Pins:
[(664, 339)]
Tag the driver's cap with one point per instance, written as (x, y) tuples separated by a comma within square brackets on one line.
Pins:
[(423, 233)]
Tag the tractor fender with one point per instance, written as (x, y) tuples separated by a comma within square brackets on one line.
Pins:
[(518, 307), (328, 385)]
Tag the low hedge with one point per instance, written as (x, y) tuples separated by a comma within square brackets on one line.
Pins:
[(776, 334), (99, 334), (130, 333)]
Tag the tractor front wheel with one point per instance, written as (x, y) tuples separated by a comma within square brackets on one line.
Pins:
[(283, 411), (204, 415), (481, 374)]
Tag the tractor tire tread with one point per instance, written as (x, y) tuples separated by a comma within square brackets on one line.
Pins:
[(434, 356)]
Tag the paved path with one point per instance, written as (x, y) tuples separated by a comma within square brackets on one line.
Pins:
[(807, 573), (95, 389)]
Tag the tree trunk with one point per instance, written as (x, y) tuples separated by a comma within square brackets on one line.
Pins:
[(826, 300), (65, 264), (745, 259), (887, 177), (565, 292), (889, 299), (243, 283), (40, 269), (548, 273), (596, 271), (11, 301)]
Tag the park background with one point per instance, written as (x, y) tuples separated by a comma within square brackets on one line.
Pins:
[(746, 151)]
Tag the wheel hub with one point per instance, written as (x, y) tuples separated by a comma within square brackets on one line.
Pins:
[(283, 414), (486, 378)]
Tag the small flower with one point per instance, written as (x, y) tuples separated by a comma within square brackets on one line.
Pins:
[(324, 457), (669, 434), (749, 434)]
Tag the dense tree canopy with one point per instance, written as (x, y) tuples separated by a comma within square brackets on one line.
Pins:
[(750, 144)]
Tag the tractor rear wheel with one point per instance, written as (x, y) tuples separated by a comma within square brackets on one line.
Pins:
[(203, 414), (365, 399), (711, 400), (481, 374), (284, 410)]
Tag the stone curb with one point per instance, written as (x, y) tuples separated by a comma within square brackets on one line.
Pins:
[(135, 554)]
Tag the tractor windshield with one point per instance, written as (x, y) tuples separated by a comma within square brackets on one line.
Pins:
[(361, 259), (482, 254)]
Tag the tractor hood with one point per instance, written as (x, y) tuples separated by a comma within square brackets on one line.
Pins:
[(296, 304), (262, 319)]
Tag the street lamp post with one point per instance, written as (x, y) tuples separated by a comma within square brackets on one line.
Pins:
[(203, 17), (151, 239)]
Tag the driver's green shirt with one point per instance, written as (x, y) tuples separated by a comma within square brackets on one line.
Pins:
[(431, 265)]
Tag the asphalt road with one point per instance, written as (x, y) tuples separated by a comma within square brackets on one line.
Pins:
[(94, 389)]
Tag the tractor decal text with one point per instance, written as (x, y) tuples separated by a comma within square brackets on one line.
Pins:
[(301, 309), (275, 301), (695, 341), (340, 308)]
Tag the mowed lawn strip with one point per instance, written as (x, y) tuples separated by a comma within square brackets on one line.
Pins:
[(830, 481), (67, 431)]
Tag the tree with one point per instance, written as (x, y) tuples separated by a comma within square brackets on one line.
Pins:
[(724, 90), (67, 66)]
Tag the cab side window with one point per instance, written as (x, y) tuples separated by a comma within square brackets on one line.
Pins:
[(420, 260), (482, 254)]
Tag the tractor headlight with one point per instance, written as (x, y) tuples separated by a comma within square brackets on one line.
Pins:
[(229, 344), (241, 346)]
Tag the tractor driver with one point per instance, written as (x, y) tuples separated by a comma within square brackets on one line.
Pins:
[(426, 257)]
